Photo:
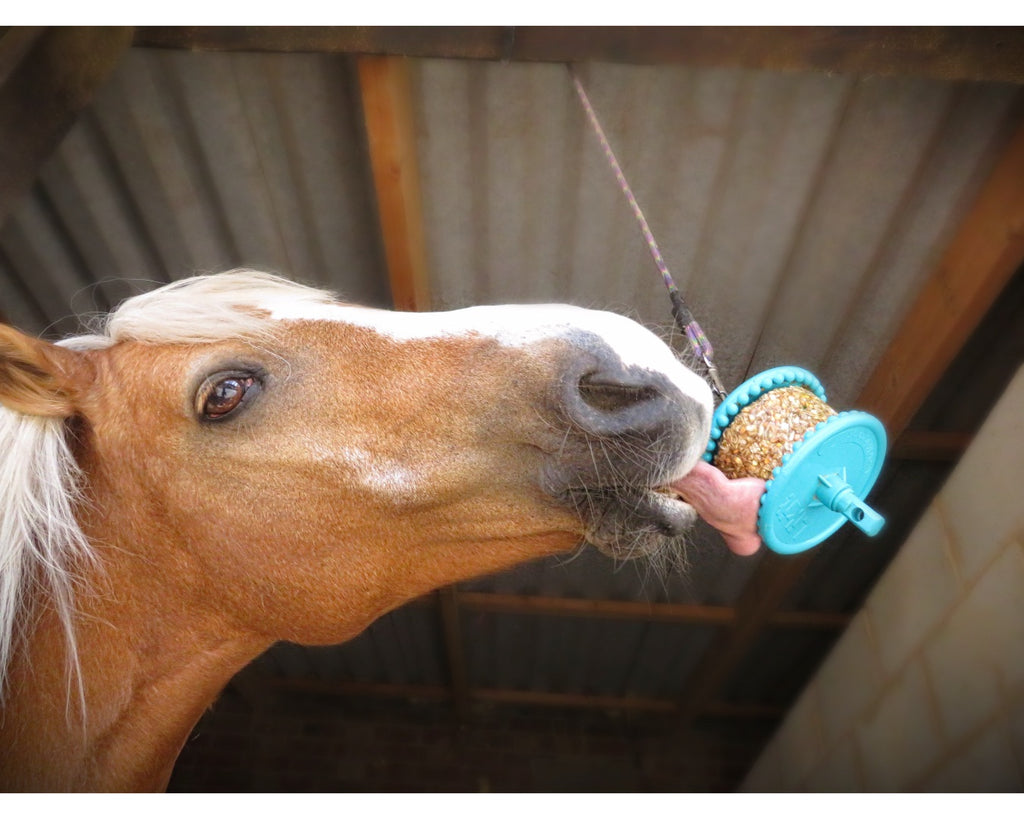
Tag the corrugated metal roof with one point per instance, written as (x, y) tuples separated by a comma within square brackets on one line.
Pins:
[(198, 163), (799, 213)]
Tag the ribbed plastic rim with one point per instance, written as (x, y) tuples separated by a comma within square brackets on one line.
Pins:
[(752, 389)]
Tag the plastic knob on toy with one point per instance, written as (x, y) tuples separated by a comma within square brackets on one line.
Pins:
[(818, 464), (839, 496)]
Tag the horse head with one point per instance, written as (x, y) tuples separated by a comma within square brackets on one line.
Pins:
[(237, 459)]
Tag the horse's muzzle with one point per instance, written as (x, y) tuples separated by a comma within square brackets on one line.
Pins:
[(629, 430), (647, 424), (615, 401)]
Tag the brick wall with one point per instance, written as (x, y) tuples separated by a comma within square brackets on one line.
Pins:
[(925, 690), (301, 742)]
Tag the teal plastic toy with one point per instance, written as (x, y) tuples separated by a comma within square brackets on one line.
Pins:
[(819, 485)]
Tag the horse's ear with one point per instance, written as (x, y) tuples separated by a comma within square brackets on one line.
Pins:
[(37, 377)]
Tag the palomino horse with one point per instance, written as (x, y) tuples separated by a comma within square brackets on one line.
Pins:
[(235, 460)]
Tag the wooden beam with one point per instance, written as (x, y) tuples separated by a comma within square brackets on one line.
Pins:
[(994, 54), (554, 699), (817, 620), (976, 267), (15, 43), (390, 133), (601, 609), (455, 648), (48, 77), (359, 688), (640, 611), (458, 42), (926, 445), (759, 602), (744, 710), (501, 696)]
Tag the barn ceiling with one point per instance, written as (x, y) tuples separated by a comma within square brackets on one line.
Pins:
[(845, 200)]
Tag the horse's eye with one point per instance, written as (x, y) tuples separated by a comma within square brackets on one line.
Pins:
[(224, 396)]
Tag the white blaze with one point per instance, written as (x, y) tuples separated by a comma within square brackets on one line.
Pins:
[(516, 325)]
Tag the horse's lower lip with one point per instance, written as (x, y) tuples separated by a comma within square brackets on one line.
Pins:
[(636, 521), (667, 509)]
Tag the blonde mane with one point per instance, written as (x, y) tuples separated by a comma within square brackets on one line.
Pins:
[(41, 542)]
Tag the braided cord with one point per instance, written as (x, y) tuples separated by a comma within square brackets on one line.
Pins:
[(680, 312)]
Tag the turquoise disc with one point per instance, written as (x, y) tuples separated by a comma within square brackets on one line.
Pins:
[(851, 445)]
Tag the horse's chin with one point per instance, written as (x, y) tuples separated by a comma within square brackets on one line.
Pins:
[(628, 523)]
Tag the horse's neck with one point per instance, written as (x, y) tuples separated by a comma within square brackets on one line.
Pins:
[(149, 668)]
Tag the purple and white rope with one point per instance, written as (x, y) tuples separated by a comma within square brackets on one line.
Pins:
[(684, 318)]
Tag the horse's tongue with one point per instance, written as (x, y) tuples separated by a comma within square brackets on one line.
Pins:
[(730, 506)]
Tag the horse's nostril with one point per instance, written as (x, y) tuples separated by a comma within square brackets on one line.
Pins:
[(608, 395)]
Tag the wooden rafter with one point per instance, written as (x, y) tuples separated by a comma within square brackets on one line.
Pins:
[(975, 268), (15, 45), (758, 604), (926, 445), (448, 601), (503, 696), (47, 78), (976, 53), (682, 613), (390, 132)]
